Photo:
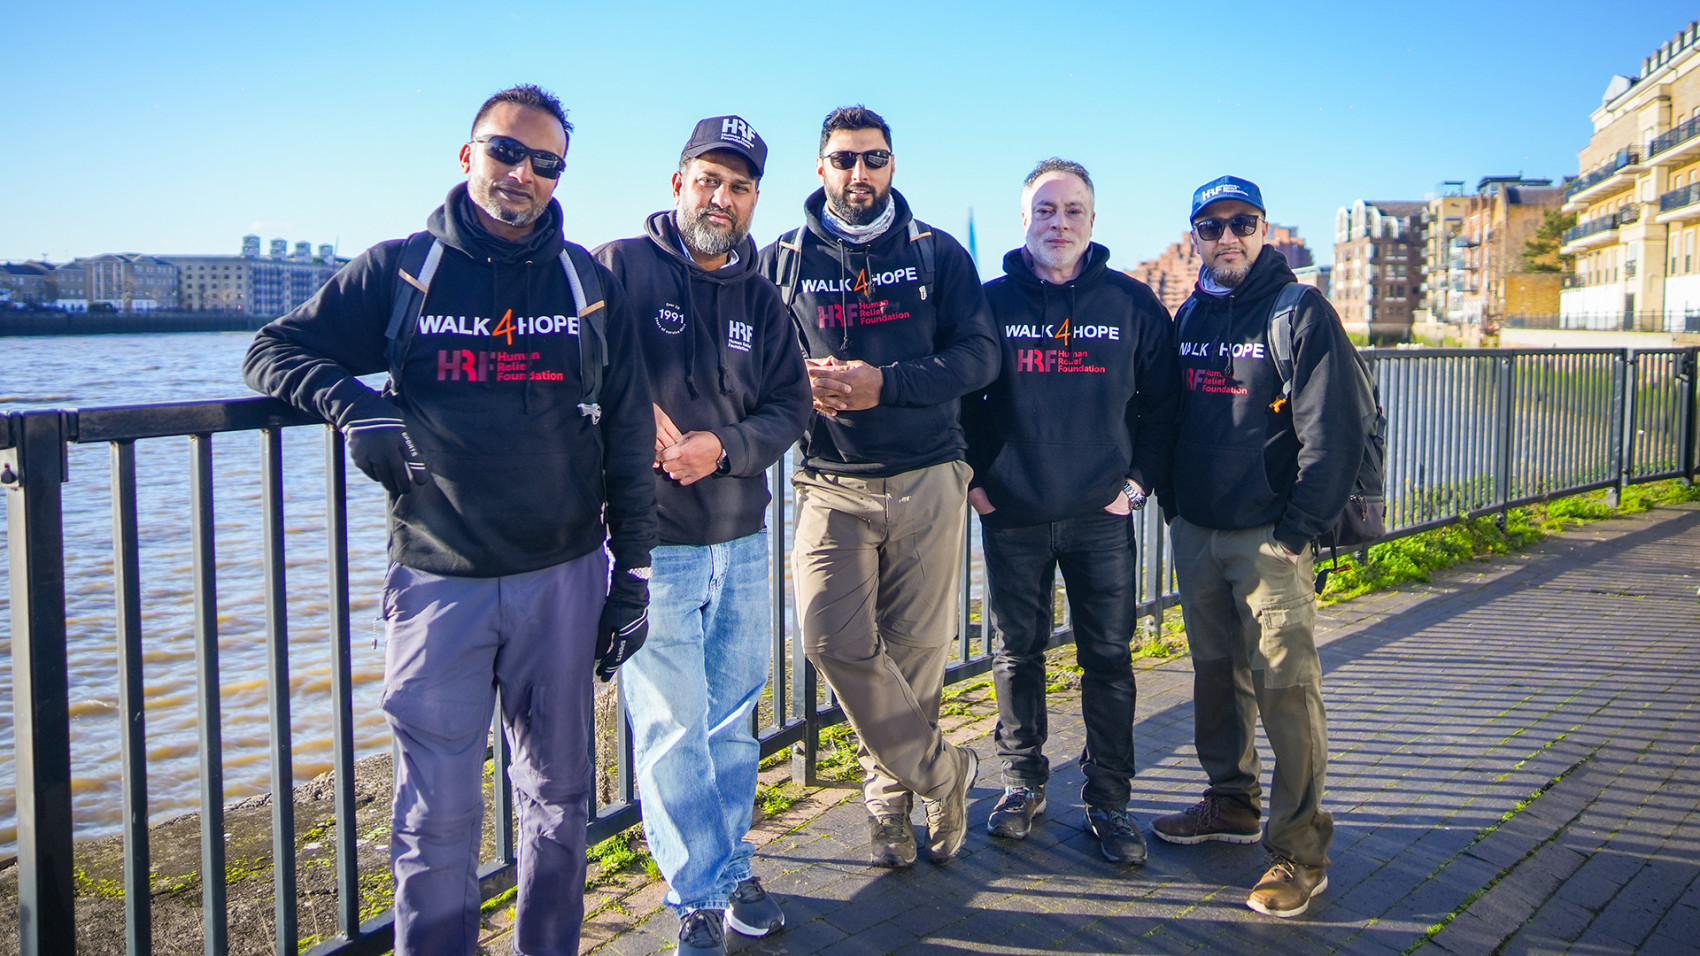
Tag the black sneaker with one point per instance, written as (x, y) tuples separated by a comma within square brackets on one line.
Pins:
[(1214, 818), (1118, 838), (1013, 817), (700, 932), (753, 912)]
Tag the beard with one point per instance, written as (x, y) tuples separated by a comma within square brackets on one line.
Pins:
[(1057, 260), (1230, 278), (704, 236), (483, 194), (857, 215)]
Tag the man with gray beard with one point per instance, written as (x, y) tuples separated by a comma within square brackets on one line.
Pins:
[(731, 395), (1263, 467)]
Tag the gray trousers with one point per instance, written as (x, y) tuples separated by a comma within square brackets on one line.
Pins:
[(877, 563), (1250, 622), (451, 643)]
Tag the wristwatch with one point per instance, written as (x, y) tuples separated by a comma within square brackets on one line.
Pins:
[(723, 465), (1135, 497)]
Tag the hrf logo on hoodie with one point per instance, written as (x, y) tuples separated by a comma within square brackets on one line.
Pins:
[(465, 365), (740, 336)]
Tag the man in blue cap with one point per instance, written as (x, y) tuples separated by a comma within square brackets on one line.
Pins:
[(1270, 444)]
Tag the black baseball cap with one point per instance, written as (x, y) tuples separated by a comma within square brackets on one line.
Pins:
[(728, 132)]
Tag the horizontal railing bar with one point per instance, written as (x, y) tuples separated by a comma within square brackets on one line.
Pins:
[(130, 422)]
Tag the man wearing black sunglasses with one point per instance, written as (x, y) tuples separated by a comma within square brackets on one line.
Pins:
[(511, 454), (1261, 471), (897, 330)]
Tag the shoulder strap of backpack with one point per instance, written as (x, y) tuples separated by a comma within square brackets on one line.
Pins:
[(586, 284), (921, 235), (1182, 314), (790, 263), (1281, 318), (420, 255)]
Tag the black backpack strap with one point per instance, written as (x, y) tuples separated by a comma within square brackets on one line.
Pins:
[(1281, 319), (789, 266), (1182, 314), (420, 254), (921, 235), (586, 283)]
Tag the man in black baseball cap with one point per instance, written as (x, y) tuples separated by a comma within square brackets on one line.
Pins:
[(731, 394)]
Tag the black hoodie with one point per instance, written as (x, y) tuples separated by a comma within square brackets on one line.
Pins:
[(489, 392), (1244, 458), (722, 357), (933, 345), (1087, 398)]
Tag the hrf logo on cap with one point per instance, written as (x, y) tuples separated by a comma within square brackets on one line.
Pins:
[(1216, 192), (734, 130)]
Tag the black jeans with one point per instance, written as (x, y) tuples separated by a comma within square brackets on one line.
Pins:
[(1097, 560)]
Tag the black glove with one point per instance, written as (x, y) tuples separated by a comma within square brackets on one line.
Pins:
[(380, 448), (625, 620)]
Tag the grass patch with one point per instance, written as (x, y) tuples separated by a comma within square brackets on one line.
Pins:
[(775, 799)]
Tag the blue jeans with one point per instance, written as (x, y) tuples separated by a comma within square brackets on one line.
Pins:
[(690, 692)]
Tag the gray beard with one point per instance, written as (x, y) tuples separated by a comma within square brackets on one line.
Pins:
[(1229, 278), (704, 238)]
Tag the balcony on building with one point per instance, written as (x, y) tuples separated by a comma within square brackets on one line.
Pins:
[(1609, 177), (1679, 146), (1597, 232), (1680, 205)]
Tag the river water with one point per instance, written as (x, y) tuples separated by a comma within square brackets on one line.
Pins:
[(105, 370)]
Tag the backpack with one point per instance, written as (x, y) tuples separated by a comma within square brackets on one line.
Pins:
[(1364, 518), (420, 256), (789, 265)]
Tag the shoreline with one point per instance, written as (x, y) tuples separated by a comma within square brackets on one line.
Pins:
[(32, 323)]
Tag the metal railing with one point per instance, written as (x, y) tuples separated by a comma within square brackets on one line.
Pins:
[(1678, 198), (1470, 432), (1677, 135), (1592, 227), (1606, 170)]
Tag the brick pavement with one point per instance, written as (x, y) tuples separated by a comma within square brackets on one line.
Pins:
[(1513, 755)]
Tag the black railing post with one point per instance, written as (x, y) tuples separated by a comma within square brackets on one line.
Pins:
[(32, 466), (1618, 442), (277, 683), (132, 734), (1503, 440), (1691, 415), (208, 712)]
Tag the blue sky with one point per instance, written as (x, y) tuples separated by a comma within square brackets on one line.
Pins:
[(178, 127)]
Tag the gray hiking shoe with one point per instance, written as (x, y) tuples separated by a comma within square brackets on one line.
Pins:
[(891, 840), (947, 817), (1013, 817), (753, 912)]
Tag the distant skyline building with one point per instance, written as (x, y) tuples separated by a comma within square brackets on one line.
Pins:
[(268, 286), (1637, 199)]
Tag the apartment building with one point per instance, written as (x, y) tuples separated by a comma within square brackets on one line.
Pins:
[(123, 282), (1378, 267), (1474, 275), (25, 283), (267, 285), (1637, 199)]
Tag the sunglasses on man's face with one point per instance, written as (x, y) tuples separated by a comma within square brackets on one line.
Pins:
[(511, 152), (1210, 230), (846, 158)]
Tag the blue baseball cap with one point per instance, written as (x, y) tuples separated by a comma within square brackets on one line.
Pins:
[(1227, 187)]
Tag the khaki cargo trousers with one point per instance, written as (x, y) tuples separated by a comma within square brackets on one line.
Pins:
[(877, 563), (1250, 616)]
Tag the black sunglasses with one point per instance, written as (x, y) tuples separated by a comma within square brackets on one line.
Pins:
[(1210, 230), (511, 152), (846, 158)]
